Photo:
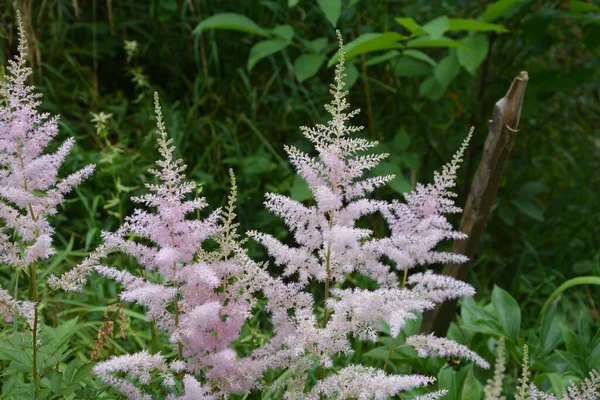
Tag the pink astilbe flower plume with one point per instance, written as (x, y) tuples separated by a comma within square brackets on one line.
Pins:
[(200, 299), (329, 246), (30, 188)]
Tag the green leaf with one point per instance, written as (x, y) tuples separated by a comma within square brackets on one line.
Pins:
[(300, 190), (437, 27), (550, 333), (374, 60), (432, 89), (581, 280), (332, 10), (582, 6), (419, 55), (318, 45), (401, 141), (285, 32), (307, 65), (529, 208), (446, 70), (498, 9), (264, 49), (471, 388), (292, 3), (508, 311), (446, 379), (424, 41), (381, 353), (367, 43), (460, 24), (410, 25), (409, 67), (351, 76), (230, 21), (476, 51)]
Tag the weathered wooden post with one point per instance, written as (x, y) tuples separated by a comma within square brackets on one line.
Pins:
[(503, 128)]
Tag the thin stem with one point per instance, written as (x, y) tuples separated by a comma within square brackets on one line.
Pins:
[(34, 298), (392, 349)]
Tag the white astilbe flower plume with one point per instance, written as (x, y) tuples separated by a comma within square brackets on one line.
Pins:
[(328, 247), (363, 383), (493, 388), (431, 346), (201, 299), (30, 188)]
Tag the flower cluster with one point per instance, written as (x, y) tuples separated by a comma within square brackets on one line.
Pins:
[(199, 298), (30, 189), (330, 247)]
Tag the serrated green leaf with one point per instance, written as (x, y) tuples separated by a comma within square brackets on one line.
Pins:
[(460, 24), (367, 43), (307, 65), (264, 49), (332, 10), (472, 56), (230, 21)]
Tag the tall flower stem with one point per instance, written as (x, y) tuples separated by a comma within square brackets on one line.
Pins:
[(391, 350), (34, 299)]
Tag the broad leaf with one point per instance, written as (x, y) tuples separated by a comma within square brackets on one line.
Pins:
[(367, 43), (472, 57), (460, 24), (419, 55), (409, 67), (410, 25), (307, 65), (332, 10), (437, 27), (264, 49), (424, 41), (446, 70), (230, 21), (508, 312), (285, 32), (498, 9)]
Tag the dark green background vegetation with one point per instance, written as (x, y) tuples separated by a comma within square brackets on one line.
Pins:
[(543, 230)]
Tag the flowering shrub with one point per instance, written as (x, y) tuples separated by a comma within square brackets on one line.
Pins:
[(199, 286), (30, 193)]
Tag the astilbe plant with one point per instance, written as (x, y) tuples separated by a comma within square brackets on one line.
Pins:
[(330, 247), (199, 298), (588, 389), (30, 188)]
